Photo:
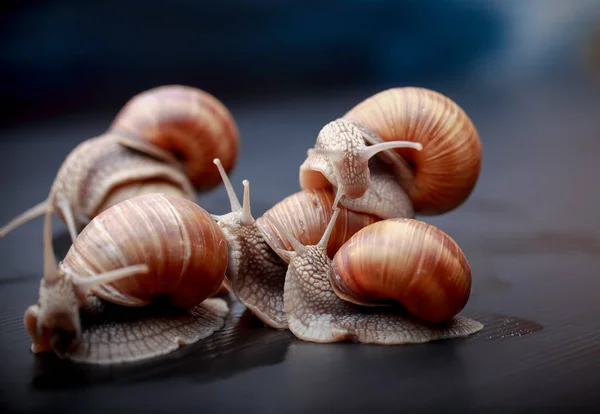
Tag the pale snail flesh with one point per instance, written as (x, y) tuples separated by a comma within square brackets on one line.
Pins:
[(99, 173), (340, 158), (305, 214), (183, 125), (255, 273), (151, 247), (438, 177), (316, 313)]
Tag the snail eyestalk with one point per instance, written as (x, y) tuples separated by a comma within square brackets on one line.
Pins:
[(24, 217), (372, 150), (68, 215), (83, 285), (296, 245), (327, 233), (233, 200), (50, 268), (247, 218)]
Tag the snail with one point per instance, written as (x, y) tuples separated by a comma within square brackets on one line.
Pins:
[(140, 153), (305, 214), (396, 258), (148, 249), (181, 124), (99, 173), (438, 171), (255, 273)]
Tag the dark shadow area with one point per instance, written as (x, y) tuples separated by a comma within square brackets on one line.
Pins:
[(244, 343), (67, 56)]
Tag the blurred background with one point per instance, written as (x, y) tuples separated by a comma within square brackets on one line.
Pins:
[(68, 56), (527, 72)]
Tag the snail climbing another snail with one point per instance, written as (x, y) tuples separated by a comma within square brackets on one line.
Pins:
[(407, 260), (150, 248), (162, 140), (428, 141), (255, 273)]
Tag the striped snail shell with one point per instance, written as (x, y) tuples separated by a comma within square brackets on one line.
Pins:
[(178, 240), (441, 176), (151, 248), (184, 125), (316, 312), (407, 261), (305, 214)]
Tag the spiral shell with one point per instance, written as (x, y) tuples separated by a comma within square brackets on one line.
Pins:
[(178, 240), (305, 215), (441, 176), (191, 124), (407, 261)]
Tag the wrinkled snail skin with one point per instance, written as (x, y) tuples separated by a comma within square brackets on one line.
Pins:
[(100, 166), (147, 249), (255, 273), (183, 125), (305, 214), (441, 177), (315, 313), (407, 261), (340, 159), (99, 173)]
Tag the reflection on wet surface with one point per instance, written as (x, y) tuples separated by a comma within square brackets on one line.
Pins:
[(244, 343), (503, 327)]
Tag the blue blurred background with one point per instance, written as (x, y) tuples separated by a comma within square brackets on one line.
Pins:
[(67, 56)]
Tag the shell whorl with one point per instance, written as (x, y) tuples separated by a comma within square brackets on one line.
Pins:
[(441, 176), (99, 166), (179, 241), (190, 123), (306, 214), (406, 260)]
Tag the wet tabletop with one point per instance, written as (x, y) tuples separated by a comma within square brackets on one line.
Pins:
[(531, 232)]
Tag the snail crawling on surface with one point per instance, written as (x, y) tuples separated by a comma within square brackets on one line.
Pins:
[(406, 261), (341, 259), (162, 140), (145, 249)]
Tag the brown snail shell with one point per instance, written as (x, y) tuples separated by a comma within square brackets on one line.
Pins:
[(404, 260), (191, 124), (305, 215), (443, 174), (181, 244)]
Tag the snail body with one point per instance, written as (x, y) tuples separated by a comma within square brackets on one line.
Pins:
[(255, 273), (99, 173), (184, 125), (438, 177), (146, 249), (162, 140), (316, 313)]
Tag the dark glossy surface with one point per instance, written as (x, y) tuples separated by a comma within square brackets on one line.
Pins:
[(531, 232)]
